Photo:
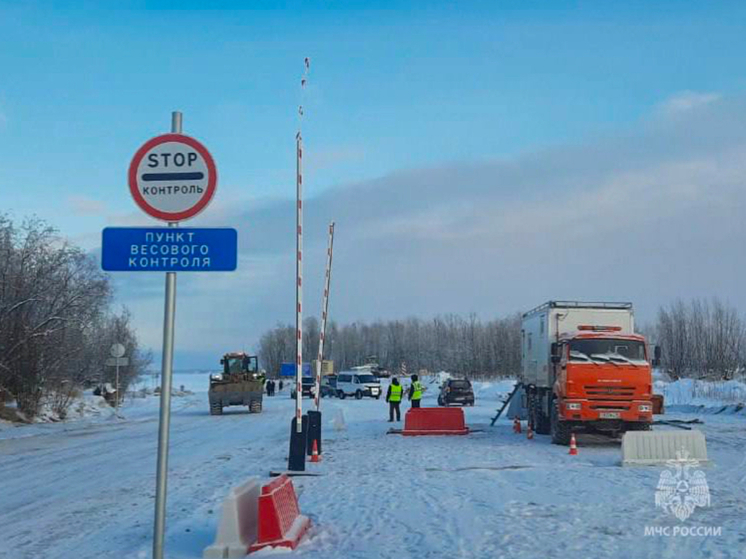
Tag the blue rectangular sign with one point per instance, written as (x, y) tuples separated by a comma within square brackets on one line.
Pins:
[(160, 249), (288, 370)]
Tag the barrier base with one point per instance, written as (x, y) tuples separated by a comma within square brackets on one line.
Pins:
[(292, 537), (297, 452), (421, 432)]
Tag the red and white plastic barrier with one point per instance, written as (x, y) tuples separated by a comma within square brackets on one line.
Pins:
[(254, 517), (238, 523), (435, 421), (280, 522)]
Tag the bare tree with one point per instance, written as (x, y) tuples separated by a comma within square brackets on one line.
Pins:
[(53, 300), (466, 347), (703, 339)]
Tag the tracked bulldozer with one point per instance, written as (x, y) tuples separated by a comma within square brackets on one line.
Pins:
[(240, 384)]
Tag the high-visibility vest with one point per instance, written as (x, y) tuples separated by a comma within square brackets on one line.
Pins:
[(396, 390), (417, 385)]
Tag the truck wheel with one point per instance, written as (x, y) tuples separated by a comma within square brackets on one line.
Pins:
[(358, 394), (216, 409), (378, 397), (255, 407), (560, 430), (342, 395)]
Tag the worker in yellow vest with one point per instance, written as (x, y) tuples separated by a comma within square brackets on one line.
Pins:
[(393, 397), (415, 391)]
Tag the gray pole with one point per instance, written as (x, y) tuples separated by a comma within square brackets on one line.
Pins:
[(165, 415)]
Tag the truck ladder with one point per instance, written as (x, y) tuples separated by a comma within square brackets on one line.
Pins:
[(506, 402)]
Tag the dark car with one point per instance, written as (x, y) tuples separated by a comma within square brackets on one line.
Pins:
[(456, 391), (308, 385)]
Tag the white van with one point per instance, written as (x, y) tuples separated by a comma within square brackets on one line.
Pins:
[(350, 383)]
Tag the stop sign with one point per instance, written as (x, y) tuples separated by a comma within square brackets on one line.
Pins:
[(172, 177)]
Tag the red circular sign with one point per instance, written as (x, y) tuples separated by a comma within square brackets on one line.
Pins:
[(172, 177)]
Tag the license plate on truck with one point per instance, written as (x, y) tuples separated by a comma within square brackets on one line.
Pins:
[(610, 415)]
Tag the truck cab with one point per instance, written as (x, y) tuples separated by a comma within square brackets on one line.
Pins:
[(603, 379), (585, 368)]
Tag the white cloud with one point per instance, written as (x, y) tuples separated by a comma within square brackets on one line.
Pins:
[(687, 100), (647, 217)]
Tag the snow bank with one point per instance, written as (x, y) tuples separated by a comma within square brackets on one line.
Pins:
[(89, 406), (701, 392)]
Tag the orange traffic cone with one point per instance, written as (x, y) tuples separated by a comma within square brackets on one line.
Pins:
[(529, 432), (573, 446), (516, 425), (315, 453)]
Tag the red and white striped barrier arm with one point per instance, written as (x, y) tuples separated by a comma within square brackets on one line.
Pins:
[(299, 264), (324, 311)]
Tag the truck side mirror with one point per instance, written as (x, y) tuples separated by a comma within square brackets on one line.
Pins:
[(656, 356), (222, 361), (556, 356)]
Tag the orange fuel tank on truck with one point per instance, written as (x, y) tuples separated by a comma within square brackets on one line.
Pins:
[(585, 368)]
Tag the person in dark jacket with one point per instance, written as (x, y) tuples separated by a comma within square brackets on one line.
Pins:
[(393, 397), (280, 385)]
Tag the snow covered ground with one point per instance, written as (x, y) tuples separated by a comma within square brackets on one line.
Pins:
[(85, 489)]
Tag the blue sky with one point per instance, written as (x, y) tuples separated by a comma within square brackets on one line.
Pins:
[(405, 87)]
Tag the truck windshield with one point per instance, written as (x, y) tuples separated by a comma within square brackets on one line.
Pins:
[(617, 351), (234, 364), (367, 379)]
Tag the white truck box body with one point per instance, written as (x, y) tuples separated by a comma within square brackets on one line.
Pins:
[(544, 324)]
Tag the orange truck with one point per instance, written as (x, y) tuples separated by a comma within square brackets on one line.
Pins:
[(585, 369)]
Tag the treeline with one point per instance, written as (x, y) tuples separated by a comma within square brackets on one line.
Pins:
[(465, 346), (701, 339), (56, 321)]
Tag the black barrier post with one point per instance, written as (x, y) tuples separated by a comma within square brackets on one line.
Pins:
[(297, 456), (314, 431)]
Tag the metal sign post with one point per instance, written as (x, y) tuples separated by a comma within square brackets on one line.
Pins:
[(164, 422), (117, 351), (172, 177), (324, 311)]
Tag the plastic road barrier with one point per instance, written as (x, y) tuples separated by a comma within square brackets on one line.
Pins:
[(647, 448), (238, 523), (280, 522), (435, 421)]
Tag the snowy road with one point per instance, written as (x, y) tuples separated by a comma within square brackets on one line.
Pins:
[(86, 490)]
